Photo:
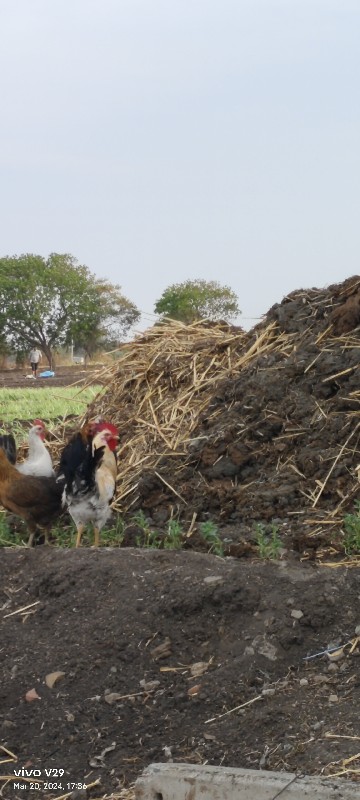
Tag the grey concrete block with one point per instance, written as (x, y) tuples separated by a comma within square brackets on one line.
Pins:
[(189, 782)]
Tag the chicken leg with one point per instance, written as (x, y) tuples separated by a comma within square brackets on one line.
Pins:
[(80, 530)]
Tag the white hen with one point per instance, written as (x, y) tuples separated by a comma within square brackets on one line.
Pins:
[(39, 461)]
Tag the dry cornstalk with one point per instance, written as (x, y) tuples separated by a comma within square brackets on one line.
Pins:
[(322, 486), (231, 710), (21, 610)]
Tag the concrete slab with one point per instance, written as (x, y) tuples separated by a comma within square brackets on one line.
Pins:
[(188, 782)]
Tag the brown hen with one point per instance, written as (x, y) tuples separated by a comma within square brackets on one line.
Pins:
[(36, 500)]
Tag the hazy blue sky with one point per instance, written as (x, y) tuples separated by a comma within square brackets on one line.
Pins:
[(160, 140)]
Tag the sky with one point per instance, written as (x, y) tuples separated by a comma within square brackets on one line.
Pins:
[(164, 140)]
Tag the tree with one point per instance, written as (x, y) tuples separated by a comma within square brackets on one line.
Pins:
[(198, 299), (49, 302), (111, 317), (4, 350)]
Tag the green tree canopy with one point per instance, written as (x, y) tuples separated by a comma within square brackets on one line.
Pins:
[(198, 299), (50, 302)]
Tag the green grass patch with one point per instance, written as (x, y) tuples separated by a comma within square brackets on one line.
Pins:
[(9, 537), (49, 404), (14, 533), (64, 534)]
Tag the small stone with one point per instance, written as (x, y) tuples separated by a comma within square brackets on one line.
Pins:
[(268, 692), (321, 679), (213, 579), (357, 630), (318, 725), (199, 668), (194, 690), (149, 686), (336, 655), (334, 645), (112, 697), (296, 613), (265, 647), (333, 698), (304, 682), (249, 651), (333, 667)]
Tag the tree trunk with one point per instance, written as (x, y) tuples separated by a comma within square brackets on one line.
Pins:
[(48, 353)]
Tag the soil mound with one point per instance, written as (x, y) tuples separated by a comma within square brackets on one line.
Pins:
[(244, 427)]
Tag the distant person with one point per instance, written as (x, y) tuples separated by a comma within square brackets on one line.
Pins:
[(35, 358)]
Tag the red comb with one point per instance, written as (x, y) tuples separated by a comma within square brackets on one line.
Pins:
[(39, 422), (107, 426)]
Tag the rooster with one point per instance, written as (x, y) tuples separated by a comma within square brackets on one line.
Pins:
[(36, 500), (39, 460), (90, 481), (76, 450)]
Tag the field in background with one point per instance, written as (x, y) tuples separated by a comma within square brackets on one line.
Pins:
[(49, 403)]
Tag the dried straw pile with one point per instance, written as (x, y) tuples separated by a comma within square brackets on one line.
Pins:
[(163, 382), (242, 426)]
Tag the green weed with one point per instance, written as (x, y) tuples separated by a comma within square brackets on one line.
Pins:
[(173, 539), (139, 518), (148, 537), (209, 531), (351, 526), (269, 544), (114, 535)]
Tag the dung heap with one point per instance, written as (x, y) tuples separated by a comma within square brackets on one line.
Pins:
[(243, 426)]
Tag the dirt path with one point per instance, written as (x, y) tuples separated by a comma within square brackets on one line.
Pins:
[(176, 655), (64, 376)]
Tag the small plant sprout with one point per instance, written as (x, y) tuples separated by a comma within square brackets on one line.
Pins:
[(351, 526), (210, 533), (148, 537), (268, 542), (140, 520), (173, 539)]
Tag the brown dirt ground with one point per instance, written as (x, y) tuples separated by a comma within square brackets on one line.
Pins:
[(64, 376), (179, 655)]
